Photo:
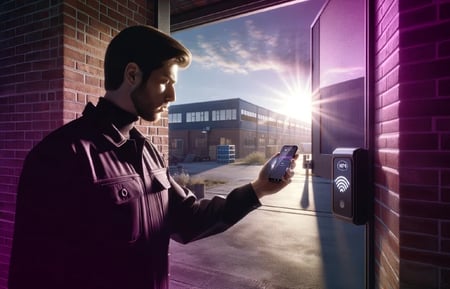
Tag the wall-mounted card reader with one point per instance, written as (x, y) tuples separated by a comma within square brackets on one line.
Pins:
[(350, 177)]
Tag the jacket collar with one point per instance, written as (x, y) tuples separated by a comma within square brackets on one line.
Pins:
[(108, 117)]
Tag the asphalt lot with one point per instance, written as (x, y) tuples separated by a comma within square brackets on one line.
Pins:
[(292, 241)]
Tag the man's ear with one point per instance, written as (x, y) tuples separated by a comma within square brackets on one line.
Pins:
[(132, 74)]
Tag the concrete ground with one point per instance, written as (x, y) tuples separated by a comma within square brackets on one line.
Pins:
[(292, 241)]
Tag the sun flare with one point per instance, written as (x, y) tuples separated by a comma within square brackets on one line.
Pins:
[(297, 104), (294, 98)]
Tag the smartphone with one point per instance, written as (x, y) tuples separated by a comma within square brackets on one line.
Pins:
[(281, 163)]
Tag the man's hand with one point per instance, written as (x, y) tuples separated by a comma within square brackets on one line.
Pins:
[(262, 186)]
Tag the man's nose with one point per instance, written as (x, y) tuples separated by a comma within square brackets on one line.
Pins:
[(171, 95)]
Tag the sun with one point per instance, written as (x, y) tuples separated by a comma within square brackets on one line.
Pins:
[(297, 104), (294, 97)]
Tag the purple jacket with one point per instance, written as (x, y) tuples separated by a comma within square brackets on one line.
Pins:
[(97, 210)]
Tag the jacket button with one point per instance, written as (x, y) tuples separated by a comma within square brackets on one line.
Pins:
[(123, 193)]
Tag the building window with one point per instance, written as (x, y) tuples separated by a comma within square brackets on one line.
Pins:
[(197, 116), (176, 144), (200, 142), (175, 118), (248, 115), (250, 141), (224, 114), (262, 140)]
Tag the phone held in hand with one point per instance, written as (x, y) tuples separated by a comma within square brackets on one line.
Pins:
[(281, 163)]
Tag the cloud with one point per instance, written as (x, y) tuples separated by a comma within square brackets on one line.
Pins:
[(252, 48)]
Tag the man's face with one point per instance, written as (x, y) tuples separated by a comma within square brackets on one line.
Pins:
[(152, 98)]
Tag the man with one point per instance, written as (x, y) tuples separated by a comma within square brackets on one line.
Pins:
[(96, 206)]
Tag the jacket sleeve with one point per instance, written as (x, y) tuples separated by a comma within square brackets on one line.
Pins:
[(40, 220), (193, 219)]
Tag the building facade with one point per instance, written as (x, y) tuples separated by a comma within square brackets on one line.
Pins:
[(196, 129)]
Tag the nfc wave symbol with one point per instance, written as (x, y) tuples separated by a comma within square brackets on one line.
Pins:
[(342, 183)]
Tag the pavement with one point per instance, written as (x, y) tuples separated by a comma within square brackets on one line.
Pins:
[(291, 242)]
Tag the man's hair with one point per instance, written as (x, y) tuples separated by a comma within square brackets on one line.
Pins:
[(146, 46)]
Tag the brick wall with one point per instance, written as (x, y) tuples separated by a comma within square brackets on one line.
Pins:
[(425, 153), (387, 139), (51, 54), (30, 96), (412, 128)]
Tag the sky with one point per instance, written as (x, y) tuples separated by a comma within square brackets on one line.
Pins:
[(262, 58)]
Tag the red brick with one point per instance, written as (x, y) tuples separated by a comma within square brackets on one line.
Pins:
[(425, 107), (445, 245), (388, 245), (444, 11), (101, 27), (123, 10), (445, 142), (7, 216), (419, 124), (40, 116), (392, 159), (392, 201), (392, 78), (94, 81), (91, 67), (73, 54), (33, 135), (89, 10), (445, 194), (425, 70), (419, 241), (424, 193), (418, 176), (418, 89), (109, 21), (445, 229), (31, 97), (444, 87), (431, 159), (73, 75), (391, 126), (387, 141), (445, 278), (419, 141), (52, 74), (416, 275), (389, 112), (45, 64), (418, 17), (407, 5), (439, 259), (421, 209), (419, 225), (391, 220), (425, 34), (389, 97), (41, 125), (445, 177), (41, 106)]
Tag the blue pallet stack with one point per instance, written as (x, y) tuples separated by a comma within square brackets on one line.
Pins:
[(226, 153)]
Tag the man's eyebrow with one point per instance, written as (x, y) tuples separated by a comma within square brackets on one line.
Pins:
[(171, 77)]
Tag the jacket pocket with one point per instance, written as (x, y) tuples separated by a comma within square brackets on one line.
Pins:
[(160, 181), (118, 209)]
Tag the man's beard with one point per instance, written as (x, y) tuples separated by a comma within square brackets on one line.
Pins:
[(140, 107)]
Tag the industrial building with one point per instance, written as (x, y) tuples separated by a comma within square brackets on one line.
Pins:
[(196, 129)]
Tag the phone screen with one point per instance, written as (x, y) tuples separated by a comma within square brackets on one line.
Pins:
[(282, 162)]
